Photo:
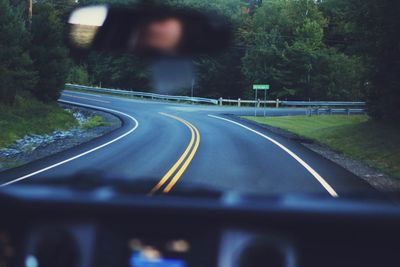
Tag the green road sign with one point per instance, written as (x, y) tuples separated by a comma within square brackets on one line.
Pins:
[(260, 86)]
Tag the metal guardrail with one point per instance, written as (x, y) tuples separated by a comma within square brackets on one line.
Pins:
[(278, 103), (333, 111), (322, 103), (314, 107), (142, 94)]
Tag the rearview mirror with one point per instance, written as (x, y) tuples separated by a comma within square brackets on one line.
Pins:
[(148, 30)]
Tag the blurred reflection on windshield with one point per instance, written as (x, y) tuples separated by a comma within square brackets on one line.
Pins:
[(164, 35)]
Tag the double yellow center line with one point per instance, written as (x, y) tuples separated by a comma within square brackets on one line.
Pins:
[(183, 162)]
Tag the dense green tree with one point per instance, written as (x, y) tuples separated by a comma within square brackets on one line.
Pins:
[(377, 25), (16, 72), (340, 31), (369, 29), (287, 50), (336, 76), (220, 76), (48, 52), (78, 74), (123, 71), (63, 7)]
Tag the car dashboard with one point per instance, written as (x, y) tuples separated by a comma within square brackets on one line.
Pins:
[(53, 227)]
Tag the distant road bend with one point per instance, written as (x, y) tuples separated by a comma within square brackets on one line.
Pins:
[(172, 143)]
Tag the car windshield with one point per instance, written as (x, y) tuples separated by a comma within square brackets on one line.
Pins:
[(305, 98)]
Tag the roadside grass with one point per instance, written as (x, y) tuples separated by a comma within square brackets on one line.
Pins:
[(94, 121), (29, 116), (375, 143)]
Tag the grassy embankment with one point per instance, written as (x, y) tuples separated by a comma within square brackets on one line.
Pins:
[(94, 121), (375, 143), (29, 116)]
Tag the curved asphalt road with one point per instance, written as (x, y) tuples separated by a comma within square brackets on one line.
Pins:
[(170, 144)]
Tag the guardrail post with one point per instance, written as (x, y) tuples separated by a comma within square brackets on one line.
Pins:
[(239, 104), (348, 111), (220, 101), (258, 103), (277, 103)]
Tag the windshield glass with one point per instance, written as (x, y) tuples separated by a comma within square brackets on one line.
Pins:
[(305, 99)]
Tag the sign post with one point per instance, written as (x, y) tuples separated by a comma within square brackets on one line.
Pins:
[(257, 87), (255, 104), (265, 101)]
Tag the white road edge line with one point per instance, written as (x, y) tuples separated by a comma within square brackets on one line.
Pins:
[(319, 178), (84, 153)]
